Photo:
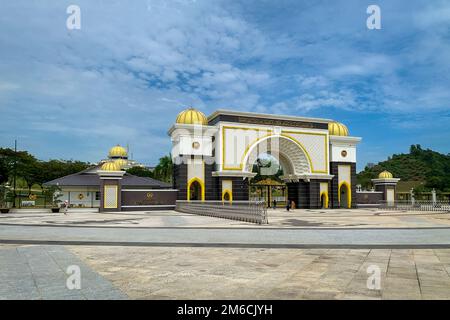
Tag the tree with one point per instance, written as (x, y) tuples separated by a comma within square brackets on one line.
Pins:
[(163, 171), (425, 165), (140, 172)]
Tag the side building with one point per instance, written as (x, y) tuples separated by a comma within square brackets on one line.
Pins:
[(84, 189)]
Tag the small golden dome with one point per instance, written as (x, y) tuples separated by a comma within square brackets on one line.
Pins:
[(337, 129), (118, 151), (110, 166), (122, 163), (385, 175), (192, 116)]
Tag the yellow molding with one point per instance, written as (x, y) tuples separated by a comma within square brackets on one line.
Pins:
[(325, 147), (284, 133), (109, 186), (325, 193), (202, 186), (349, 193), (230, 194), (241, 166)]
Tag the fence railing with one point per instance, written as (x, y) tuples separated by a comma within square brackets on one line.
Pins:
[(417, 205), (248, 211)]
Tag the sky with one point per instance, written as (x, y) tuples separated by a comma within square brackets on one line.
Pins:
[(124, 76)]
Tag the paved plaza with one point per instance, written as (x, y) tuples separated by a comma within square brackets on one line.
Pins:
[(305, 254), (280, 218)]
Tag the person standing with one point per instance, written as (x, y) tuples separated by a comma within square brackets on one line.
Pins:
[(288, 204), (65, 206), (274, 204)]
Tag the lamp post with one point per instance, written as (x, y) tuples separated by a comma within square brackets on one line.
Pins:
[(15, 173)]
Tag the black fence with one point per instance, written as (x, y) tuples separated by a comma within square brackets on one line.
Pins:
[(248, 211)]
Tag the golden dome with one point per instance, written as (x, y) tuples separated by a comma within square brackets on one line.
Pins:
[(110, 166), (122, 163), (192, 116), (385, 175), (337, 129), (118, 151)]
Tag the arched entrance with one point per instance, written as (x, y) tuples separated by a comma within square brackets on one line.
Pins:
[(227, 196), (324, 200), (344, 195), (195, 190), (285, 160)]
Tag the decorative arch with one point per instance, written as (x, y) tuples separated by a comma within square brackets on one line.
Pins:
[(349, 193), (292, 156), (202, 188), (226, 192), (325, 195)]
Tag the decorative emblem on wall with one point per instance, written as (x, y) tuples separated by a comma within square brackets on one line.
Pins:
[(344, 153), (149, 195), (195, 144), (80, 196)]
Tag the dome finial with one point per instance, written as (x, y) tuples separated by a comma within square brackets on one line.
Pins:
[(110, 166), (192, 116), (117, 152), (337, 129), (385, 175)]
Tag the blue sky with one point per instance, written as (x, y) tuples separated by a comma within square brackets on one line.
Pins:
[(134, 65)]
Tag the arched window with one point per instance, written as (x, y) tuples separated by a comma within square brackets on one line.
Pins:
[(195, 190)]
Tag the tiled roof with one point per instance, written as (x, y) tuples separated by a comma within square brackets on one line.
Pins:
[(87, 178)]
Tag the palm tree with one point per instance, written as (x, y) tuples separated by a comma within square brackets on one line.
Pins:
[(163, 171)]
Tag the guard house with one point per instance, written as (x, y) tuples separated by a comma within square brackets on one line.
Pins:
[(213, 156)]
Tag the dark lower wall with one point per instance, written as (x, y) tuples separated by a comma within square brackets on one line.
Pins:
[(334, 186), (149, 198), (306, 195), (367, 197), (210, 183), (180, 180), (240, 188)]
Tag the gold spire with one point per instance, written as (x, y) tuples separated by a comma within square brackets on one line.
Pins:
[(192, 116), (337, 129)]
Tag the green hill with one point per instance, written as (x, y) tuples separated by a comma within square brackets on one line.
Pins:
[(427, 168)]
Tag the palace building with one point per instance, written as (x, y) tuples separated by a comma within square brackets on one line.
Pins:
[(214, 157), (84, 189)]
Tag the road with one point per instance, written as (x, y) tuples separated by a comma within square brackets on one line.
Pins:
[(223, 237)]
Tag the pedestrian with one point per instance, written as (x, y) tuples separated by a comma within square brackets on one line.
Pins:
[(292, 205), (65, 206), (274, 204), (288, 204)]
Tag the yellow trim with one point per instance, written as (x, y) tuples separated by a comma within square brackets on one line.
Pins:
[(104, 196), (325, 193), (309, 158), (241, 166), (284, 133), (349, 193), (202, 186), (230, 194)]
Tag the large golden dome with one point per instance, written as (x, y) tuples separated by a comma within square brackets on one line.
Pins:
[(385, 175), (337, 129), (110, 166), (192, 116), (122, 163), (118, 152)]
